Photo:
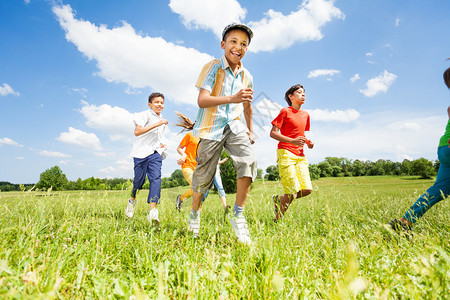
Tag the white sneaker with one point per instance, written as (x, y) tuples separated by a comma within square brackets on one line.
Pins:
[(153, 216), (240, 229), (130, 209), (194, 224)]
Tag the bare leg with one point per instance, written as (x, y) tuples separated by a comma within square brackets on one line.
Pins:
[(243, 188), (286, 199), (197, 201), (223, 199)]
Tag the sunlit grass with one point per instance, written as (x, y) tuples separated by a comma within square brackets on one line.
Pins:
[(330, 245)]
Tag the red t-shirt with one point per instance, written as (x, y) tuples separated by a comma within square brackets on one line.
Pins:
[(292, 123)]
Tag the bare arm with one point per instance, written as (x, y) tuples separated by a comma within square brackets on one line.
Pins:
[(206, 100), (248, 115), (139, 130), (276, 134), (182, 159)]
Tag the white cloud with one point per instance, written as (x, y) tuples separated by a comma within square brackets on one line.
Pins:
[(410, 126), (379, 84), (117, 122), (322, 72), (9, 142), (121, 167), (80, 138), (397, 22), (277, 31), (6, 89), (205, 14), (343, 116), (122, 55), (53, 154), (355, 78), (19, 157), (369, 54)]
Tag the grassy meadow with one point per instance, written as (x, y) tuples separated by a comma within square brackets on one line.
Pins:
[(330, 245)]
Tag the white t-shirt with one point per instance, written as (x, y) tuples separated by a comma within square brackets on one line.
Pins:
[(146, 144)]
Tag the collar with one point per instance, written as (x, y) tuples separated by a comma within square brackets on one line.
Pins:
[(226, 65), (152, 112)]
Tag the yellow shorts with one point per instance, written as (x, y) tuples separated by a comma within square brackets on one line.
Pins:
[(294, 172)]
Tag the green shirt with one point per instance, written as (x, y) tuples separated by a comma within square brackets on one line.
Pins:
[(444, 139)]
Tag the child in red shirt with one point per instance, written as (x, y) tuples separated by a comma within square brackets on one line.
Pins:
[(289, 129)]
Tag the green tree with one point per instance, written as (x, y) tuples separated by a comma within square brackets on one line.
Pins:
[(228, 174), (272, 173), (424, 168), (259, 174), (54, 178)]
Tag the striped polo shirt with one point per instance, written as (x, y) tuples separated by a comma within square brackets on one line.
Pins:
[(218, 78)]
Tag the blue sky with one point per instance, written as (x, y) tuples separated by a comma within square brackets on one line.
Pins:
[(73, 73)]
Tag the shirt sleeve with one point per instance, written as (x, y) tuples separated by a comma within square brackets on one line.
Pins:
[(140, 119), (278, 121), (307, 123), (185, 141), (207, 76)]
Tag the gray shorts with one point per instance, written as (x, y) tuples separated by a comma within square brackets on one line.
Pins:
[(238, 147)]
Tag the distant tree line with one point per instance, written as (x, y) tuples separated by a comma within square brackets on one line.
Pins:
[(55, 179), (341, 167)]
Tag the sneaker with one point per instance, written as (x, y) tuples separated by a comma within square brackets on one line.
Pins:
[(194, 224), (178, 202), (153, 216), (240, 229), (130, 208), (397, 225), (400, 227)]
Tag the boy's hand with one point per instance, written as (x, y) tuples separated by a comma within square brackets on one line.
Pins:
[(163, 146), (311, 144), (182, 159), (251, 137), (299, 141), (163, 122), (242, 96)]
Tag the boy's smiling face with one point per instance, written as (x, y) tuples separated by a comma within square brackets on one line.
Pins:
[(157, 105), (235, 46)]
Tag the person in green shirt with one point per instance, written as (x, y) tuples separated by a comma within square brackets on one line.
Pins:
[(440, 189)]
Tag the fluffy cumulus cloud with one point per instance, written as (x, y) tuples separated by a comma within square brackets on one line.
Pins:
[(117, 122), (6, 89), (278, 31), (53, 154), (342, 116), (9, 142), (80, 138), (379, 84), (205, 14), (122, 55), (323, 72), (274, 31), (122, 166)]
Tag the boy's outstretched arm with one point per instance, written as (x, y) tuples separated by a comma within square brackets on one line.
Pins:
[(139, 130), (206, 100)]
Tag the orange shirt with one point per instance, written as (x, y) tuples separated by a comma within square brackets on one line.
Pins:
[(292, 123), (190, 142)]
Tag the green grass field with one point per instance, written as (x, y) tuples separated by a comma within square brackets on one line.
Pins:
[(330, 245)]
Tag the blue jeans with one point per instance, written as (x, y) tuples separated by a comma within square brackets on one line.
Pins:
[(437, 192), (218, 183), (150, 166)]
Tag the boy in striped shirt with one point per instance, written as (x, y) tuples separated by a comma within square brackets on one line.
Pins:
[(225, 93)]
